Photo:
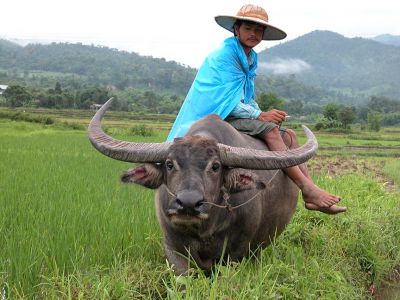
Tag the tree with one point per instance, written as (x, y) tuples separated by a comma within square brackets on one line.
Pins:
[(90, 95), (294, 107), (151, 100), (346, 115), (374, 121), (57, 88), (362, 113), (331, 111), (383, 104), (268, 101), (17, 95)]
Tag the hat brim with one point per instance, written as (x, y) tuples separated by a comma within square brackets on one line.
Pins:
[(271, 33)]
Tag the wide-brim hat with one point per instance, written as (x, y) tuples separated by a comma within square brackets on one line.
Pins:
[(252, 13)]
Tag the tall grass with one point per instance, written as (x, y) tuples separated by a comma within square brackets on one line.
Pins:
[(69, 229), (392, 169), (62, 206)]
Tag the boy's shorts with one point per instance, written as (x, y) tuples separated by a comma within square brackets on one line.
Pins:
[(253, 127)]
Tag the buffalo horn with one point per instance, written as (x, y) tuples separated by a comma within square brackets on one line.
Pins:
[(230, 156), (122, 150), (269, 160)]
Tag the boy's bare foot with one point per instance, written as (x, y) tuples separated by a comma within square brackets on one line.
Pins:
[(332, 210), (320, 198)]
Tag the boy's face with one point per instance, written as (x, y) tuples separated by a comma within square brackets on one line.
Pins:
[(249, 34)]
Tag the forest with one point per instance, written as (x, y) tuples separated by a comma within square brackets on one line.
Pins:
[(63, 75)]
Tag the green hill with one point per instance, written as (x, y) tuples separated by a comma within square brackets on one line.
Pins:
[(388, 39), (96, 65), (318, 67), (333, 62)]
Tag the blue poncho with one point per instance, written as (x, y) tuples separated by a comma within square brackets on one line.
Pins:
[(224, 79)]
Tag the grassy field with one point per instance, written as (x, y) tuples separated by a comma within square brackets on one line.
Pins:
[(69, 229)]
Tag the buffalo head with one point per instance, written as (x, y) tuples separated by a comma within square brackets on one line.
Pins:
[(194, 178)]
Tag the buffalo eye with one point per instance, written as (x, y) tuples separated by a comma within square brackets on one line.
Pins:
[(215, 166), (169, 165)]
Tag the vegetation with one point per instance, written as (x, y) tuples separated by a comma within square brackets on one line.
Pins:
[(340, 70), (350, 66), (18, 116), (268, 101), (376, 112), (52, 76), (17, 95), (141, 101), (69, 229), (75, 65)]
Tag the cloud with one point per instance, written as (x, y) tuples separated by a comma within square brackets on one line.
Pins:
[(281, 66)]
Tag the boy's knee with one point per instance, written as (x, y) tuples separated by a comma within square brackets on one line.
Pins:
[(273, 134), (291, 132), (290, 138)]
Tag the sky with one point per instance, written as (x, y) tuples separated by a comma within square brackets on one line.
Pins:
[(185, 31)]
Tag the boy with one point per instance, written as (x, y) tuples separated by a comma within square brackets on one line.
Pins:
[(224, 85)]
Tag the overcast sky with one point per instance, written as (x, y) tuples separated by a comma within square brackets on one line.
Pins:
[(185, 31)]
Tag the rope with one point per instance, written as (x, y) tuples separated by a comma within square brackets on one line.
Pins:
[(226, 197)]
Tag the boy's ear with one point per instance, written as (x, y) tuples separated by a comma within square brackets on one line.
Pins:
[(236, 180), (148, 175)]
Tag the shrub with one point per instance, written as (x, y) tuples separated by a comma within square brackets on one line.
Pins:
[(74, 126), (374, 121), (142, 130), (18, 116)]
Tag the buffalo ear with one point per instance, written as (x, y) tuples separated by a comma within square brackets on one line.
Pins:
[(236, 180), (148, 175)]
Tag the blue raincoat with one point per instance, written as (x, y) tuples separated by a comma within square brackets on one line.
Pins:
[(224, 79)]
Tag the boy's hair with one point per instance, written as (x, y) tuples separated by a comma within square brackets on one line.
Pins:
[(239, 23)]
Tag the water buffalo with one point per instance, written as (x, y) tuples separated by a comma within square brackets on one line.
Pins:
[(220, 192)]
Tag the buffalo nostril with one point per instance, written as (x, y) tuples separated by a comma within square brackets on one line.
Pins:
[(198, 204), (179, 202), (189, 201)]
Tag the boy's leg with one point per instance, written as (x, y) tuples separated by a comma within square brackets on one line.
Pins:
[(315, 198), (290, 139)]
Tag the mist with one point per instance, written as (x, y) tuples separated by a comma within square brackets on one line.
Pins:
[(281, 66)]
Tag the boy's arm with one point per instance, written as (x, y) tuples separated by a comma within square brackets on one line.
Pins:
[(246, 111)]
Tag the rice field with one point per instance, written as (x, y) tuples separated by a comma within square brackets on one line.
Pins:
[(70, 230)]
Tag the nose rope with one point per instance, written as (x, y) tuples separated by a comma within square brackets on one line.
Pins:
[(226, 197), (169, 192)]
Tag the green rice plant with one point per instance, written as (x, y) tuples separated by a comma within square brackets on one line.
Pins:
[(70, 230), (392, 169), (52, 218)]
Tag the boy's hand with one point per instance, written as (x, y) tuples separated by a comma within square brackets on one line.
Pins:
[(275, 116)]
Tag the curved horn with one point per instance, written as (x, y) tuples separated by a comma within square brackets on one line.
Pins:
[(269, 160), (122, 150)]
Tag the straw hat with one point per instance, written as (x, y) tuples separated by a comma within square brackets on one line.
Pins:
[(254, 14)]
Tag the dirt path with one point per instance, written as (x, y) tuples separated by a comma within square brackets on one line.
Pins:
[(344, 165)]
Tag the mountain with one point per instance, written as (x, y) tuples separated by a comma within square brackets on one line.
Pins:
[(79, 63), (319, 66), (333, 62), (7, 50), (388, 39)]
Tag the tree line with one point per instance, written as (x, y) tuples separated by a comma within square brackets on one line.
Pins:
[(137, 100), (376, 112)]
